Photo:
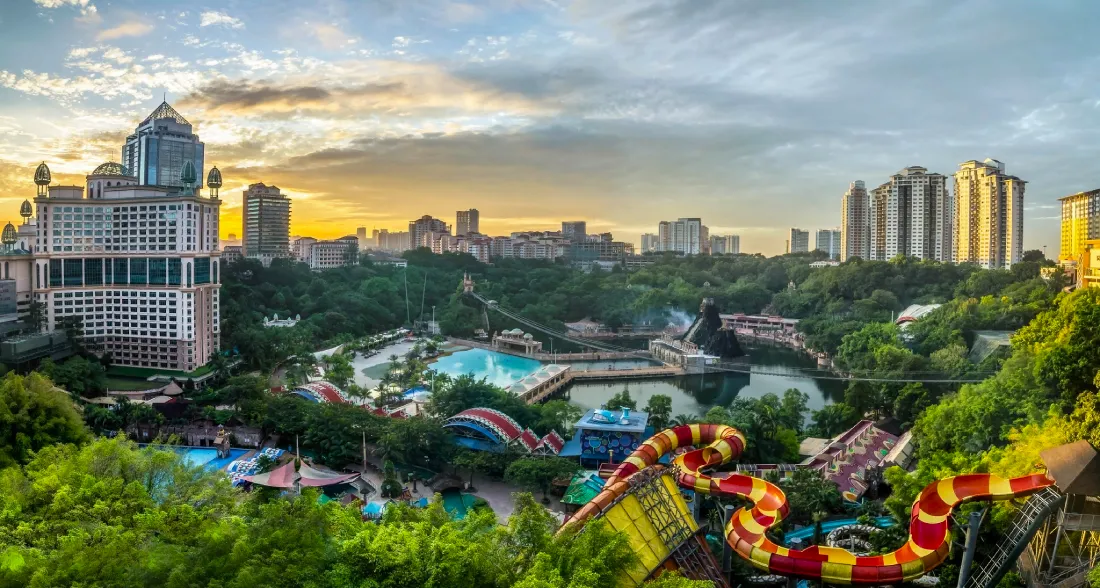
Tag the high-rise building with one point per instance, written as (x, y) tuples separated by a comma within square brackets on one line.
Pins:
[(855, 222), (156, 151), (266, 223), (725, 244), (574, 230), (650, 243), (1080, 223), (467, 221), (688, 236), (798, 241), (878, 205), (828, 240), (394, 242), (361, 235), (911, 215), (989, 215), (420, 231), (135, 266)]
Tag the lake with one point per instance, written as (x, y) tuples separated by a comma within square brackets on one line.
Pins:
[(691, 394), (696, 394)]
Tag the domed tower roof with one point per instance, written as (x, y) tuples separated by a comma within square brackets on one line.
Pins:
[(112, 169), (214, 178), (8, 237), (42, 175), (188, 176), (25, 209)]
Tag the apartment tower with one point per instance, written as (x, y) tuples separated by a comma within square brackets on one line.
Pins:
[(798, 241), (467, 221), (266, 223), (1080, 223), (989, 215), (855, 222), (911, 215)]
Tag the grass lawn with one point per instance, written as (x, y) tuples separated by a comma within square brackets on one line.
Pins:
[(128, 384), (138, 372)]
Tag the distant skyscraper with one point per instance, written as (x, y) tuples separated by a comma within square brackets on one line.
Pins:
[(160, 145), (467, 221), (387, 241), (650, 242), (989, 215), (421, 229), (361, 235), (685, 235), (725, 244), (855, 222), (266, 223), (575, 231), (828, 240), (1080, 223), (798, 241), (911, 215)]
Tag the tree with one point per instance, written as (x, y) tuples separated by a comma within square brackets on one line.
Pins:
[(809, 493), (340, 371), (558, 415), (78, 375), (36, 315), (659, 408), (622, 400), (834, 419), (33, 415), (684, 419), (391, 487), (534, 473)]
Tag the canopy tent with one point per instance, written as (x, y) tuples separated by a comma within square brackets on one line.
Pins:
[(284, 476), (313, 477), (280, 477)]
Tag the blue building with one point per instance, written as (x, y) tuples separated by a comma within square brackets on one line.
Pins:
[(160, 145), (608, 435)]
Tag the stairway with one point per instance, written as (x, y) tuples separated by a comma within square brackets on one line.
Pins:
[(1037, 508)]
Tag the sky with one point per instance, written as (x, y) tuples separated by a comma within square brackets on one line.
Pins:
[(752, 115)]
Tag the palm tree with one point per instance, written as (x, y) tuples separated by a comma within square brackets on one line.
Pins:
[(684, 419)]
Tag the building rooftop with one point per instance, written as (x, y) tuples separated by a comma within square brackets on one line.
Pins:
[(614, 420), (165, 110), (1075, 468)]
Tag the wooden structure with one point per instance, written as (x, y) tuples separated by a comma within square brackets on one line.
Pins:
[(1067, 544)]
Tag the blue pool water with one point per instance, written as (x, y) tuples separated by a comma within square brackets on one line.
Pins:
[(500, 369), (208, 457)]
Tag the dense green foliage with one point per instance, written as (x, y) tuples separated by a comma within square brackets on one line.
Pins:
[(33, 416), (108, 514)]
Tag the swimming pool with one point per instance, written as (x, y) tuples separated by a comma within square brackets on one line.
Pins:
[(457, 503), (499, 369), (207, 457)]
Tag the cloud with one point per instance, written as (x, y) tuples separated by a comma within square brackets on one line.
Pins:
[(348, 90), (330, 37), (85, 6), (133, 28), (212, 18)]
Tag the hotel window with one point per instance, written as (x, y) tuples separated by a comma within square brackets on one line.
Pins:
[(74, 272), (139, 271), (158, 267)]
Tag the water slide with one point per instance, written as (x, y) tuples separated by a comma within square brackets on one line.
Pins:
[(928, 543)]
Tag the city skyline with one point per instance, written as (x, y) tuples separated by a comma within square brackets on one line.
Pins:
[(538, 112)]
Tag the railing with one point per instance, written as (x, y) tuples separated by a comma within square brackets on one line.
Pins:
[(1079, 522), (1027, 522)]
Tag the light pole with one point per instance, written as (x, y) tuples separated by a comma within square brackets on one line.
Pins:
[(434, 327)]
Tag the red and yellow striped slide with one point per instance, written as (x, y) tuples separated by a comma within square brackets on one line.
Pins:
[(929, 534)]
